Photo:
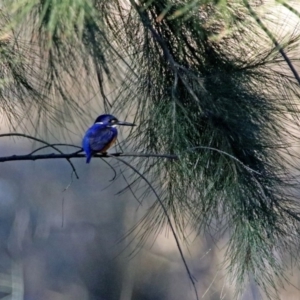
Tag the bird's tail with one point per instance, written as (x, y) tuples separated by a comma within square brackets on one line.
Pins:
[(88, 158)]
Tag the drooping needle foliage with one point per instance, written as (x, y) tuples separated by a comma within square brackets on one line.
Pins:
[(211, 81)]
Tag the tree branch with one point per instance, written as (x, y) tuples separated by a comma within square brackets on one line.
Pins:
[(80, 155), (43, 142)]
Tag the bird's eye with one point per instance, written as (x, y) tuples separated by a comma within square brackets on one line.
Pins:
[(113, 121)]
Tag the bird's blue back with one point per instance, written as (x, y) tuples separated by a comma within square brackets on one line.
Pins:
[(98, 138)]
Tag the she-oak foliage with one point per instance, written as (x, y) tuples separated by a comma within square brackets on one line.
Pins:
[(207, 80)]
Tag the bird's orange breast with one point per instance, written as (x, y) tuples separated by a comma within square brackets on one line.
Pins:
[(103, 150)]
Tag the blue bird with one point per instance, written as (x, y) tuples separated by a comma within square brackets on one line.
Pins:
[(101, 135)]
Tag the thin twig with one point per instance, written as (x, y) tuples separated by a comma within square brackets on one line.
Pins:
[(60, 144), (43, 142), (168, 219), (79, 155), (227, 154), (112, 168)]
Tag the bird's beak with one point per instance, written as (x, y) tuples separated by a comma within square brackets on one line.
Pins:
[(123, 123)]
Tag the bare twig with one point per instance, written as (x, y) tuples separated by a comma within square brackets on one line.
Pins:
[(43, 142), (50, 146), (224, 153), (80, 155), (168, 219)]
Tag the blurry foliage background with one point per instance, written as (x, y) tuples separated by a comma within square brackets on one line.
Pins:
[(215, 82)]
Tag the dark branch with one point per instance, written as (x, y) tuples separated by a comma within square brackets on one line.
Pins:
[(80, 155), (43, 142)]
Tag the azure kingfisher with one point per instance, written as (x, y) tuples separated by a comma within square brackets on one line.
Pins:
[(101, 135)]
